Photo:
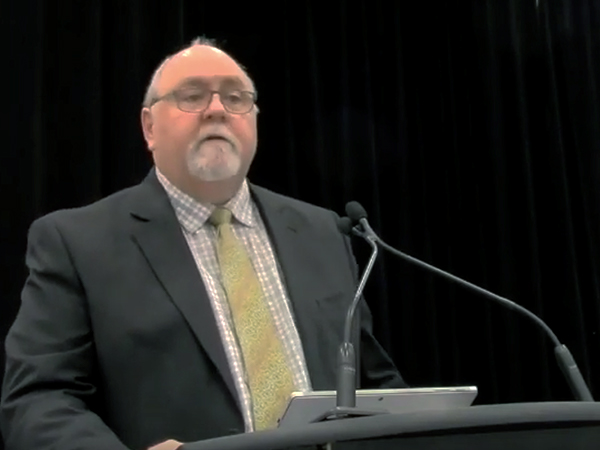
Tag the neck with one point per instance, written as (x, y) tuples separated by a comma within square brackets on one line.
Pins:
[(206, 192), (212, 192)]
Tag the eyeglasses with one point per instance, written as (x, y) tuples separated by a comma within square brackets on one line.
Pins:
[(197, 100)]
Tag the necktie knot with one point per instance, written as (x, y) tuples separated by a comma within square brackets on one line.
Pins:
[(220, 216)]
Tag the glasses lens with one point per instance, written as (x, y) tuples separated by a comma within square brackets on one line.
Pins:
[(237, 101), (192, 100)]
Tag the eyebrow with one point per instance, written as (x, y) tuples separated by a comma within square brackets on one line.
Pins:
[(226, 81)]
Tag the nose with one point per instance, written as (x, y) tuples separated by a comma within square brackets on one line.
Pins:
[(215, 106)]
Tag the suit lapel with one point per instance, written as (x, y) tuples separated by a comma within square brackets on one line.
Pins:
[(158, 233), (295, 246)]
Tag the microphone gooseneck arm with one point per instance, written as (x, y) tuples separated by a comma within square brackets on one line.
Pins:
[(563, 356), (346, 383), (566, 362)]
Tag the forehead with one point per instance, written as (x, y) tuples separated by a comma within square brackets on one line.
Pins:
[(201, 63)]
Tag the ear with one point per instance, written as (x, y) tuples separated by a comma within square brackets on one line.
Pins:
[(148, 127)]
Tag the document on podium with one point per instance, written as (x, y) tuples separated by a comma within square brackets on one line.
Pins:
[(305, 407)]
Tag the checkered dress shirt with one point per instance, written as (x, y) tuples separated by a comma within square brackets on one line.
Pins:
[(249, 228)]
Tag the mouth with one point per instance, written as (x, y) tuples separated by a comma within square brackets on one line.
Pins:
[(213, 137)]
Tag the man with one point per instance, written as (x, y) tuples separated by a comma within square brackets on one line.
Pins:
[(189, 306)]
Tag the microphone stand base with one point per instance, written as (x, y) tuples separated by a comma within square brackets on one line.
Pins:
[(343, 412)]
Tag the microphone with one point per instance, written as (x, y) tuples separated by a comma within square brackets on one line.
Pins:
[(346, 359), (345, 225), (358, 218), (346, 381)]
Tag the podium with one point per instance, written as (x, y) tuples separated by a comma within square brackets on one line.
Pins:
[(515, 426)]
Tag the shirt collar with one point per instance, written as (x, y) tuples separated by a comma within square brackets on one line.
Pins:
[(193, 214)]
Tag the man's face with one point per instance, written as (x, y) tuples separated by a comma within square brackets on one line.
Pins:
[(212, 145)]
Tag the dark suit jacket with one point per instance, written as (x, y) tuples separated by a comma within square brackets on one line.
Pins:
[(115, 345)]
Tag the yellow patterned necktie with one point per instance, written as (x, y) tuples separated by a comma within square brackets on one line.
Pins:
[(270, 379)]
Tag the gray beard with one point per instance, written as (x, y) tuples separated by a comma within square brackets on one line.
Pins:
[(213, 161)]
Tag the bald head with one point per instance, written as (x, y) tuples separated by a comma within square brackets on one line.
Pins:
[(200, 49)]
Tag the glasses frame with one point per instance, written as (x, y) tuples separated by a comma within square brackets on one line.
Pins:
[(173, 95)]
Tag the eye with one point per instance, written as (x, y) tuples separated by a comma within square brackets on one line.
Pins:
[(234, 97), (192, 96)]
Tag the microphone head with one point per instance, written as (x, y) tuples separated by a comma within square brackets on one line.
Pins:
[(345, 225), (355, 211)]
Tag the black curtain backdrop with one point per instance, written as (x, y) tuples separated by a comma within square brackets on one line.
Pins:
[(469, 129)]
